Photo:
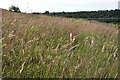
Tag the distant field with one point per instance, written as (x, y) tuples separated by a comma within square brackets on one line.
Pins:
[(53, 47)]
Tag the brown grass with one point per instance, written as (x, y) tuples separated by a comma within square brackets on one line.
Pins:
[(72, 25)]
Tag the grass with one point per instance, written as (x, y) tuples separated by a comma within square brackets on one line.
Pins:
[(39, 46)]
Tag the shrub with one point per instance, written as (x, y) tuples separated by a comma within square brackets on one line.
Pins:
[(14, 9)]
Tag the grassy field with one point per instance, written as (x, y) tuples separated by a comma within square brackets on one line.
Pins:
[(54, 47)]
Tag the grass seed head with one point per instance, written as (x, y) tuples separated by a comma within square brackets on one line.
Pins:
[(70, 37), (92, 42)]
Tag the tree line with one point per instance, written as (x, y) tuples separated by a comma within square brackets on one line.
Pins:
[(109, 16), (90, 15), (81, 14), (87, 14)]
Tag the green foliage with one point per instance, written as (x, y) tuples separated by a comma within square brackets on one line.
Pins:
[(14, 9), (92, 15), (46, 12), (89, 14)]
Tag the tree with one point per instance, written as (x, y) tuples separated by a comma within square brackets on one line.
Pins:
[(46, 12), (14, 9)]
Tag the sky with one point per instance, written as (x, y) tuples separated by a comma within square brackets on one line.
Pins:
[(60, 5)]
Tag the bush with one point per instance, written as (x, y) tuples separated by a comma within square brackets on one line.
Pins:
[(14, 9), (46, 12)]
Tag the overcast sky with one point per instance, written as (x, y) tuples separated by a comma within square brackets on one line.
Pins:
[(60, 5)]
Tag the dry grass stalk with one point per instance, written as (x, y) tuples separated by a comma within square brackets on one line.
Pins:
[(76, 67), (30, 41), (22, 67), (86, 40), (115, 53), (3, 70), (73, 47), (41, 58), (73, 38), (11, 34), (116, 75), (57, 47), (103, 48), (65, 46), (53, 62), (70, 50), (23, 51), (18, 69)]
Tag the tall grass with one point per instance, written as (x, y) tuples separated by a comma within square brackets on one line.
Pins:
[(41, 46)]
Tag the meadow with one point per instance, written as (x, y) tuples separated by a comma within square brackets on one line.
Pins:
[(55, 47)]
